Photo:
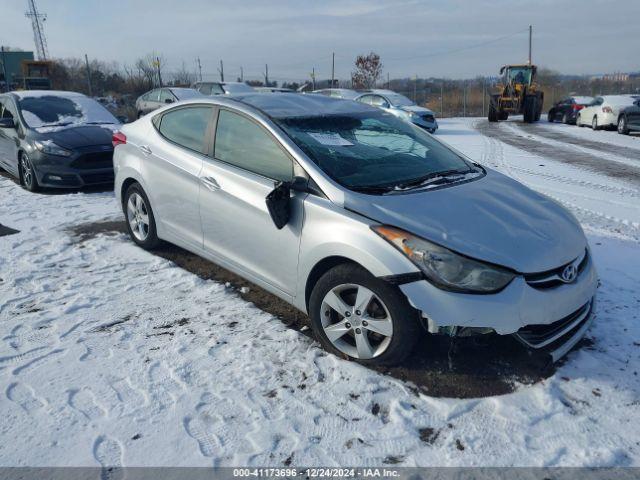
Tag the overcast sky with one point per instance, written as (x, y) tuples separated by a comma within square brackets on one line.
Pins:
[(427, 38)]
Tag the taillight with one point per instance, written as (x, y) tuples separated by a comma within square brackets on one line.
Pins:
[(607, 110), (118, 138), (577, 107)]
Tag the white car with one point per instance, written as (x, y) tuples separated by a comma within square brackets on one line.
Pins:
[(603, 112)]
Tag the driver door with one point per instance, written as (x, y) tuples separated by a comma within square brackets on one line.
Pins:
[(9, 139), (246, 164)]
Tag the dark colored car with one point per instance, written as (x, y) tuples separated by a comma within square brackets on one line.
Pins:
[(566, 110), (629, 119), (56, 139), (159, 97)]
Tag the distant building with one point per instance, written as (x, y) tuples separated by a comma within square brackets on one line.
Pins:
[(18, 70), (11, 72)]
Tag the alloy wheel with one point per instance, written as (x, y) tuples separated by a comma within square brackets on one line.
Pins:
[(622, 127), (138, 216), (27, 172), (356, 321)]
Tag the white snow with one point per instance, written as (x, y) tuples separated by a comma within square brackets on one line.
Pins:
[(110, 355)]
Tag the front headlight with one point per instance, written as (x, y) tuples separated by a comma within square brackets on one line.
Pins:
[(444, 268), (51, 148)]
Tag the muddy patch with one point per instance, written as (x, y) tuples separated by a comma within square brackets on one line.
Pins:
[(440, 366)]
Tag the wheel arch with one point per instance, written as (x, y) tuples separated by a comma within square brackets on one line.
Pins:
[(319, 269)]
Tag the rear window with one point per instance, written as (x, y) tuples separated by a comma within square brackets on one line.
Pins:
[(187, 127), (50, 112)]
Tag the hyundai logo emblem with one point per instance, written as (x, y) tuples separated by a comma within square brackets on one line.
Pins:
[(569, 273)]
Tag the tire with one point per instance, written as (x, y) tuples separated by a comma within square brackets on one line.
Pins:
[(141, 223), (594, 123), (502, 115), (530, 109), (623, 129), (354, 339), (551, 116), (27, 173), (578, 124), (565, 119), (493, 113)]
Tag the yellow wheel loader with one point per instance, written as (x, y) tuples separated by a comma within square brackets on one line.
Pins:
[(518, 94)]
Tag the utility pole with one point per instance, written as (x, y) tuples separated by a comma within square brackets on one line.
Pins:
[(333, 68), (266, 75), (415, 88), (442, 99), (241, 74), (157, 62), (484, 94), (221, 71), (4, 70), (464, 98), (86, 62), (388, 82), (530, 35), (313, 78), (199, 67)]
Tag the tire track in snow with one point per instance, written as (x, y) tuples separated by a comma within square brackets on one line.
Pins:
[(562, 154)]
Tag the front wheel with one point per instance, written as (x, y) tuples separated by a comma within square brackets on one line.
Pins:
[(360, 317), (27, 174), (622, 126), (141, 223)]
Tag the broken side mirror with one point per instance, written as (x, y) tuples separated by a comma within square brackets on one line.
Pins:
[(279, 200)]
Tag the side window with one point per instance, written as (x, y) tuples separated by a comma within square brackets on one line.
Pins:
[(365, 99), (204, 89), (187, 127), (378, 101), (243, 143), (165, 95), (4, 111)]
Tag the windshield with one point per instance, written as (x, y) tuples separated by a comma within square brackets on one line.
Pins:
[(520, 75), (371, 149), (237, 88), (41, 112), (399, 100)]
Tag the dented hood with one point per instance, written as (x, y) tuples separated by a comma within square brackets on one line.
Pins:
[(494, 219)]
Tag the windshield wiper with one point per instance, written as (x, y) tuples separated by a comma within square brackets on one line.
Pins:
[(98, 123), (373, 189), (60, 124), (444, 176)]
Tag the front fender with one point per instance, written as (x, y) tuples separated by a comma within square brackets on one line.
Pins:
[(331, 231)]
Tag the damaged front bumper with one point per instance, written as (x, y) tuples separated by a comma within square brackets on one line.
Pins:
[(549, 319)]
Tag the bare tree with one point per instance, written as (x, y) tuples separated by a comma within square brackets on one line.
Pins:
[(183, 77), (368, 70), (150, 66)]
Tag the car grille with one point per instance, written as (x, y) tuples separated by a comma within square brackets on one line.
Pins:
[(95, 178), (428, 118), (553, 278), (539, 336), (94, 160)]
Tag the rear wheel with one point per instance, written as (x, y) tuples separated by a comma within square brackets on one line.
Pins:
[(622, 126), (493, 113), (594, 123), (551, 116), (141, 223), (530, 109), (360, 317), (27, 174)]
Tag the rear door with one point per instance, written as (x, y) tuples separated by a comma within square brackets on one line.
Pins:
[(173, 161), (246, 164), (9, 139)]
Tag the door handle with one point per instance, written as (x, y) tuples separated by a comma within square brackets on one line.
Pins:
[(146, 150), (210, 183)]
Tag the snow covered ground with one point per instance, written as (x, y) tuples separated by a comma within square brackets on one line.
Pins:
[(110, 355)]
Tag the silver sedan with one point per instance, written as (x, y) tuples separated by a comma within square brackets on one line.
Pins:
[(369, 225)]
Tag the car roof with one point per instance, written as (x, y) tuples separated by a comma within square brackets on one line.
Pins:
[(46, 93), (581, 99), (285, 106)]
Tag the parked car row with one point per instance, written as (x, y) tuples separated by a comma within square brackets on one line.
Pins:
[(374, 228), (621, 112)]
